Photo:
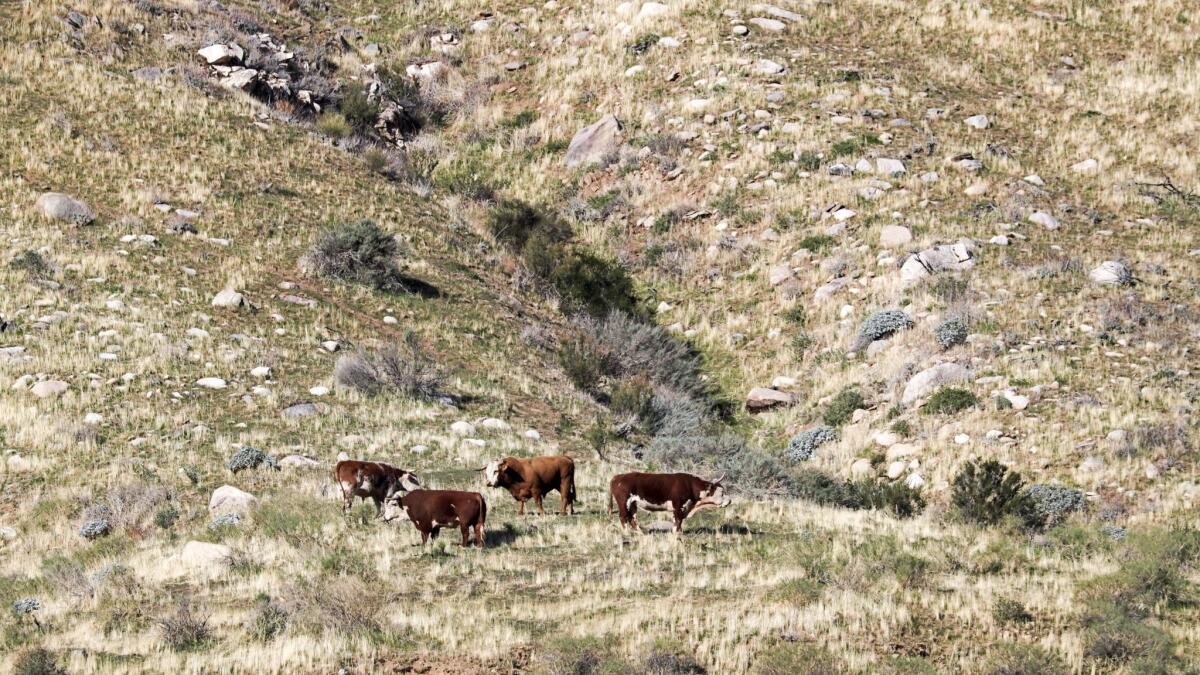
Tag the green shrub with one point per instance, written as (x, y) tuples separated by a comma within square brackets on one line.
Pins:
[(795, 314), (820, 488), (32, 264), (1117, 640), (842, 407), (513, 223), (578, 656), (467, 177), (800, 592), (817, 243), (949, 400), (1010, 611), (594, 285), (343, 561), (270, 620), (634, 396), (803, 445), (879, 325), (643, 43), (185, 631), (356, 107), (801, 342), (896, 498), (791, 659), (166, 517), (359, 252), (987, 492), (950, 332), (808, 161), (1052, 503), (584, 362)]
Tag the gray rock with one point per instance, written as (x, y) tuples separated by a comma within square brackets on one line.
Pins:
[(772, 25), (894, 236), (780, 274), (944, 258), (301, 410), (769, 67), (889, 167), (49, 388), (827, 291), (222, 55), (228, 298), (1044, 219), (299, 461), (761, 399), (229, 498), (978, 122), (593, 144), (59, 206), (931, 379)]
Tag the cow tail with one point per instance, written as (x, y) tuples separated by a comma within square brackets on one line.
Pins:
[(482, 511)]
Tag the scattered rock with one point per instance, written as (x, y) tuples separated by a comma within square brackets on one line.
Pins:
[(779, 274), (769, 67), (228, 298), (862, 468), (944, 258), (595, 143), (299, 410), (1044, 219), (1086, 166), (978, 122), (652, 9), (894, 236), (58, 206), (48, 388), (222, 55), (929, 380), (495, 424), (772, 25), (761, 399), (889, 167), (462, 428), (1111, 273), (299, 460), (229, 498), (211, 383)]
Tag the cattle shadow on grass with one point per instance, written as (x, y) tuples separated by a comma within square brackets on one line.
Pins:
[(503, 536), (740, 529)]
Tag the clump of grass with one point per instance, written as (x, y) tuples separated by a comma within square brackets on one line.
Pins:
[(359, 111), (359, 252), (817, 243), (334, 125), (948, 401), (403, 370), (37, 661), (32, 263), (1023, 659), (1010, 611), (185, 631), (270, 620), (792, 658)]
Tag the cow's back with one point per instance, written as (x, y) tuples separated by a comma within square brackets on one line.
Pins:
[(552, 470), (439, 505)]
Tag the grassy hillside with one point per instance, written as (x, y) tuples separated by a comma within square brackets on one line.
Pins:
[(746, 177)]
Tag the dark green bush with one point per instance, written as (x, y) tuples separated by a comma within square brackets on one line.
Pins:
[(514, 222), (842, 407), (634, 396), (817, 243), (270, 620), (594, 285), (1009, 611), (32, 264), (820, 488), (896, 498), (360, 112), (949, 400), (584, 362), (987, 492)]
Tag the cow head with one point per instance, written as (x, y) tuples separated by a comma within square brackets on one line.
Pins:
[(712, 496), (393, 501), (494, 472)]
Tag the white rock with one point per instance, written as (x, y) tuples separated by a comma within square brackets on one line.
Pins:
[(298, 460), (1034, 179), (93, 418), (462, 428), (8, 533), (635, 70), (1044, 219), (652, 9), (594, 143), (532, 434), (783, 382), (779, 274), (962, 439), (1086, 166), (999, 240), (766, 24), (664, 307), (762, 398), (427, 72), (901, 451), (929, 380), (944, 258), (1116, 436), (886, 439), (896, 469), (229, 498), (228, 298), (197, 333), (48, 388), (894, 236), (495, 424), (862, 468), (889, 167), (240, 79), (211, 383), (261, 372), (914, 481), (319, 390), (203, 556), (1111, 273), (978, 122), (222, 55), (769, 67), (58, 206), (1018, 401)]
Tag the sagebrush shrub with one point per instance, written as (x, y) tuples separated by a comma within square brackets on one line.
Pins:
[(359, 252), (250, 458), (270, 620), (1052, 503), (185, 631), (881, 324), (514, 223), (950, 332), (37, 661), (803, 445), (988, 491), (403, 370), (896, 498), (1009, 610), (1023, 659)]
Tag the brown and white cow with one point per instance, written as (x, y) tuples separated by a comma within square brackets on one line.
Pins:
[(681, 493), (377, 480), (532, 478), (431, 510)]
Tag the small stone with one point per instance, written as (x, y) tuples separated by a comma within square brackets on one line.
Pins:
[(1044, 219), (894, 236), (319, 390), (1086, 166), (261, 372), (862, 468), (593, 144), (927, 381), (495, 424), (532, 434), (977, 122), (211, 383), (462, 428), (889, 167), (769, 67), (299, 461), (761, 399), (228, 298), (93, 418), (652, 9), (896, 469), (771, 25), (779, 274), (1111, 273), (222, 55)]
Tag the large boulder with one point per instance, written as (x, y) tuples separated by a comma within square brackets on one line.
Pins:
[(62, 207), (944, 258), (1111, 273), (229, 498), (761, 399), (593, 143), (894, 236), (930, 380), (222, 55)]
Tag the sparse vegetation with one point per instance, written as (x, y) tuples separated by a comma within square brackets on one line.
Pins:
[(401, 369), (987, 491), (949, 400), (359, 252)]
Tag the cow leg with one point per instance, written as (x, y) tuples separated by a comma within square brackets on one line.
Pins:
[(537, 499), (378, 506), (434, 533), (564, 502), (520, 507), (479, 534), (424, 537), (466, 534), (633, 517), (678, 520)]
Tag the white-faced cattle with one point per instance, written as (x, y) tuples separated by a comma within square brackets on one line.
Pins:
[(532, 478), (431, 510), (680, 493), (377, 480)]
